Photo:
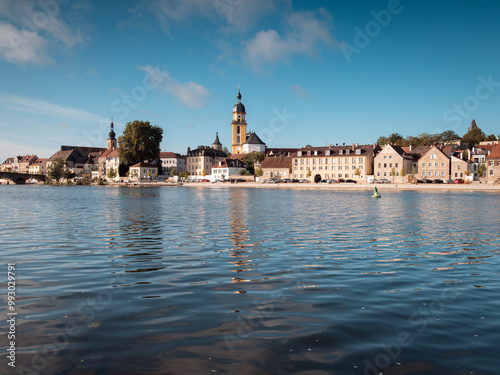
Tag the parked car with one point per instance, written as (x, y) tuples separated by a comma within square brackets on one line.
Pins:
[(458, 181), (351, 181), (286, 180), (324, 181), (295, 180), (304, 181), (340, 180), (332, 181), (447, 181), (384, 181), (437, 181), (374, 181)]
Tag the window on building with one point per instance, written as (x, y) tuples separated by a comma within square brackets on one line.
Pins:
[(423, 164), (458, 166), (436, 164), (380, 165), (390, 165), (443, 164), (436, 173), (378, 174), (442, 174), (423, 173), (385, 165), (385, 156), (429, 164)]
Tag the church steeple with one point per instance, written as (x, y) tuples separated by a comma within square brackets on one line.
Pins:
[(111, 143), (217, 145), (239, 125)]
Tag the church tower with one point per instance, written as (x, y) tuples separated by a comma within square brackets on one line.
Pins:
[(111, 143), (217, 145), (239, 126)]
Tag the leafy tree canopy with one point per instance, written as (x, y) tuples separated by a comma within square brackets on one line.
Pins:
[(57, 169), (474, 136), (253, 158), (140, 142)]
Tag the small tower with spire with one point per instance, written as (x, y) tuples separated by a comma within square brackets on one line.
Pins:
[(111, 143), (239, 125), (217, 145)]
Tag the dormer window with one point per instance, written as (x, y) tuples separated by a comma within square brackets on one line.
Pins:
[(347, 152), (341, 152), (327, 152), (315, 152), (299, 153), (358, 151), (308, 153)]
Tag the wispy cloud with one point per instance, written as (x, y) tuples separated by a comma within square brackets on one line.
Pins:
[(31, 30), (38, 107), (300, 92), (306, 33), (191, 94)]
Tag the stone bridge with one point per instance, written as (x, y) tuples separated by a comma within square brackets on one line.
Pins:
[(21, 178)]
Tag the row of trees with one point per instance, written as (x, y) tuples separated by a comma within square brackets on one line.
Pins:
[(472, 137)]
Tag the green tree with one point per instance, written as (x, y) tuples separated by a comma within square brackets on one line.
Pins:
[(448, 136), (56, 169), (68, 175), (259, 172), (402, 173), (309, 173), (226, 151), (481, 170), (382, 141), (491, 137), (251, 159), (173, 172), (357, 172), (393, 173), (111, 173), (474, 136), (140, 142)]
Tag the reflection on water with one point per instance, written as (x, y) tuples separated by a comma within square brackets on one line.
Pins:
[(193, 280)]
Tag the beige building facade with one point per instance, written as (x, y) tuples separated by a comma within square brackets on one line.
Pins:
[(493, 165), (199, 162), (393, 163), (333, 162), (435, 164)]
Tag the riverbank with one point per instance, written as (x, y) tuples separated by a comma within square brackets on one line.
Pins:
[(347, 186)]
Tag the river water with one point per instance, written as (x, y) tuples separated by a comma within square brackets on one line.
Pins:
[(178, 280)]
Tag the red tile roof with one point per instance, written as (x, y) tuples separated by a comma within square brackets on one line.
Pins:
[(495, 153), (277, 162), (143, 165), (110, 154)]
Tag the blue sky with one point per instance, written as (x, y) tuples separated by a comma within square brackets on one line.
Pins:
[(311, 72)]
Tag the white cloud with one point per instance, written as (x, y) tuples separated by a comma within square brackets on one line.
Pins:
[(39, 107), (306, 33), (300, 91), (30, 30), (191, 94)]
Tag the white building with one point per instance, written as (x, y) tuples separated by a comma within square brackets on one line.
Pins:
[(227, 168), (143, 172), (253, 144), (171, 160)]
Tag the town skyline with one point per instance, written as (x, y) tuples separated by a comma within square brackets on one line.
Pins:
[(314, 73)]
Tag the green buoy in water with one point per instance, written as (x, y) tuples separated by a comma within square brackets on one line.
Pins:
[(376, 194)]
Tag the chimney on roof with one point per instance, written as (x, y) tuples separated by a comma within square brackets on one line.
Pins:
[(410, 148), (343, 144)]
